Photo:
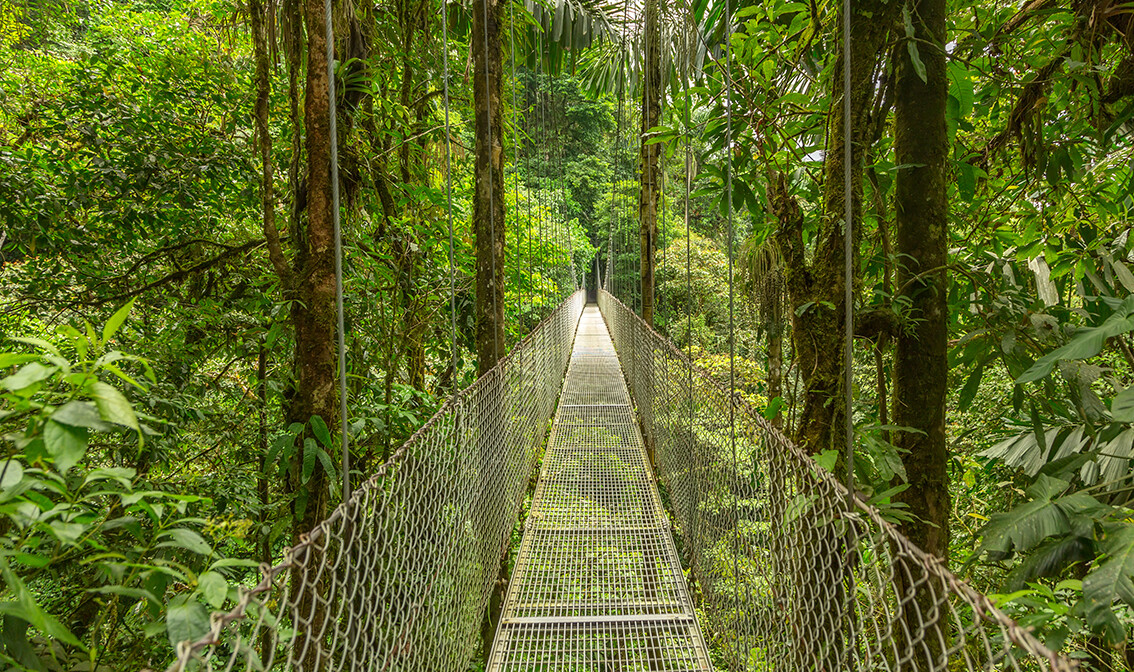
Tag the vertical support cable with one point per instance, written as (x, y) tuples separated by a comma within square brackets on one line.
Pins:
[(848, 253), (731, 311), (449, 185), (340, 318)]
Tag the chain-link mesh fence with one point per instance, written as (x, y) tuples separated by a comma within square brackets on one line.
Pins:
[(790, 574), (399, 577)]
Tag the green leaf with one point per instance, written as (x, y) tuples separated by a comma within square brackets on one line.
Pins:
[(25, 607), (113, 407), (321, 431), (39, 343), (80, 414), (115, 322), (972, 384), (214, 588), (911, 45), (1029, 523), (186, 620), (1085, 343), (11, 473), (183, 537), (27, 376), (66, 445), (1122, 407), (827, 460), (310, 450), (1112, 580), (8, 359)]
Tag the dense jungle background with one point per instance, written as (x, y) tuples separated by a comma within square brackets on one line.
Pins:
[(166, 275)]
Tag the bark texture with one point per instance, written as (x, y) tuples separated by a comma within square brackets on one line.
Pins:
[(488, 207), (817, 331), (814, 279), (652, 91), (920, 367)]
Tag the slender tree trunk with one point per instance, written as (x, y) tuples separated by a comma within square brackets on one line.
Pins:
[(313, 315), (815, 286), (920, 367), (262, 482), (649, 155), (488, 223), (488, 206)]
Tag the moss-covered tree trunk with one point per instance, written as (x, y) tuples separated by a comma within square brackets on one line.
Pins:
[(814, 278), (313, 311), (649, 154), (488, 205), (920, 367), (488, 223)]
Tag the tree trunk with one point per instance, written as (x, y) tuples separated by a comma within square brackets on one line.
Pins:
[(815, 289), (488, 222), (488, 207), (920, 367), (313, 315), (649, 155)]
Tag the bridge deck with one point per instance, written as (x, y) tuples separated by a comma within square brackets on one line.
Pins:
[(597, 586)]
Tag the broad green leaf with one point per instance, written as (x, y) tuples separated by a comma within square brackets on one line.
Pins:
[(310, 455), (827, 460), (972, 384), (1050, 558), (25, 607), (321, 432), (1122, 407), (1111, 581), (123, 475), (911, 45), (65, 444), (28, 375), (183, 537), (11, 473), (80, 414), (113, 407), (8, 359), (1085, 343), (115, 322), (214, 588), (233, 562), (186, 620), (39, 343), (1029, 523)]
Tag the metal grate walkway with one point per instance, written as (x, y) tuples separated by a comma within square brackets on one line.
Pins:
[(597, 586)]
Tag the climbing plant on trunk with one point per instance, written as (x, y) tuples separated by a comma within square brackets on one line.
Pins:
[(649, 154)]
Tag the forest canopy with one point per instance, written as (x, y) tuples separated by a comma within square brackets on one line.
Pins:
[(169, 400)]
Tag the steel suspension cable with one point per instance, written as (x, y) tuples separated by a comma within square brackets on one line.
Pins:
[(731, 304), (848, 254), (515, 149), (340, 310), (449, 186)]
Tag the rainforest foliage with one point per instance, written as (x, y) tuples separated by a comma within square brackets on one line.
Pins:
[(168, 390)]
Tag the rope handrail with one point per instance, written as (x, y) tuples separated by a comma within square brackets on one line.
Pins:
[(884, 569)]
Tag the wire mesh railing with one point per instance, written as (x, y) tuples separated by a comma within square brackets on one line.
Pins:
[(399, 577), (789, 573)]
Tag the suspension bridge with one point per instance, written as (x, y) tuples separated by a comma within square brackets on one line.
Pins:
[(749, 557)]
